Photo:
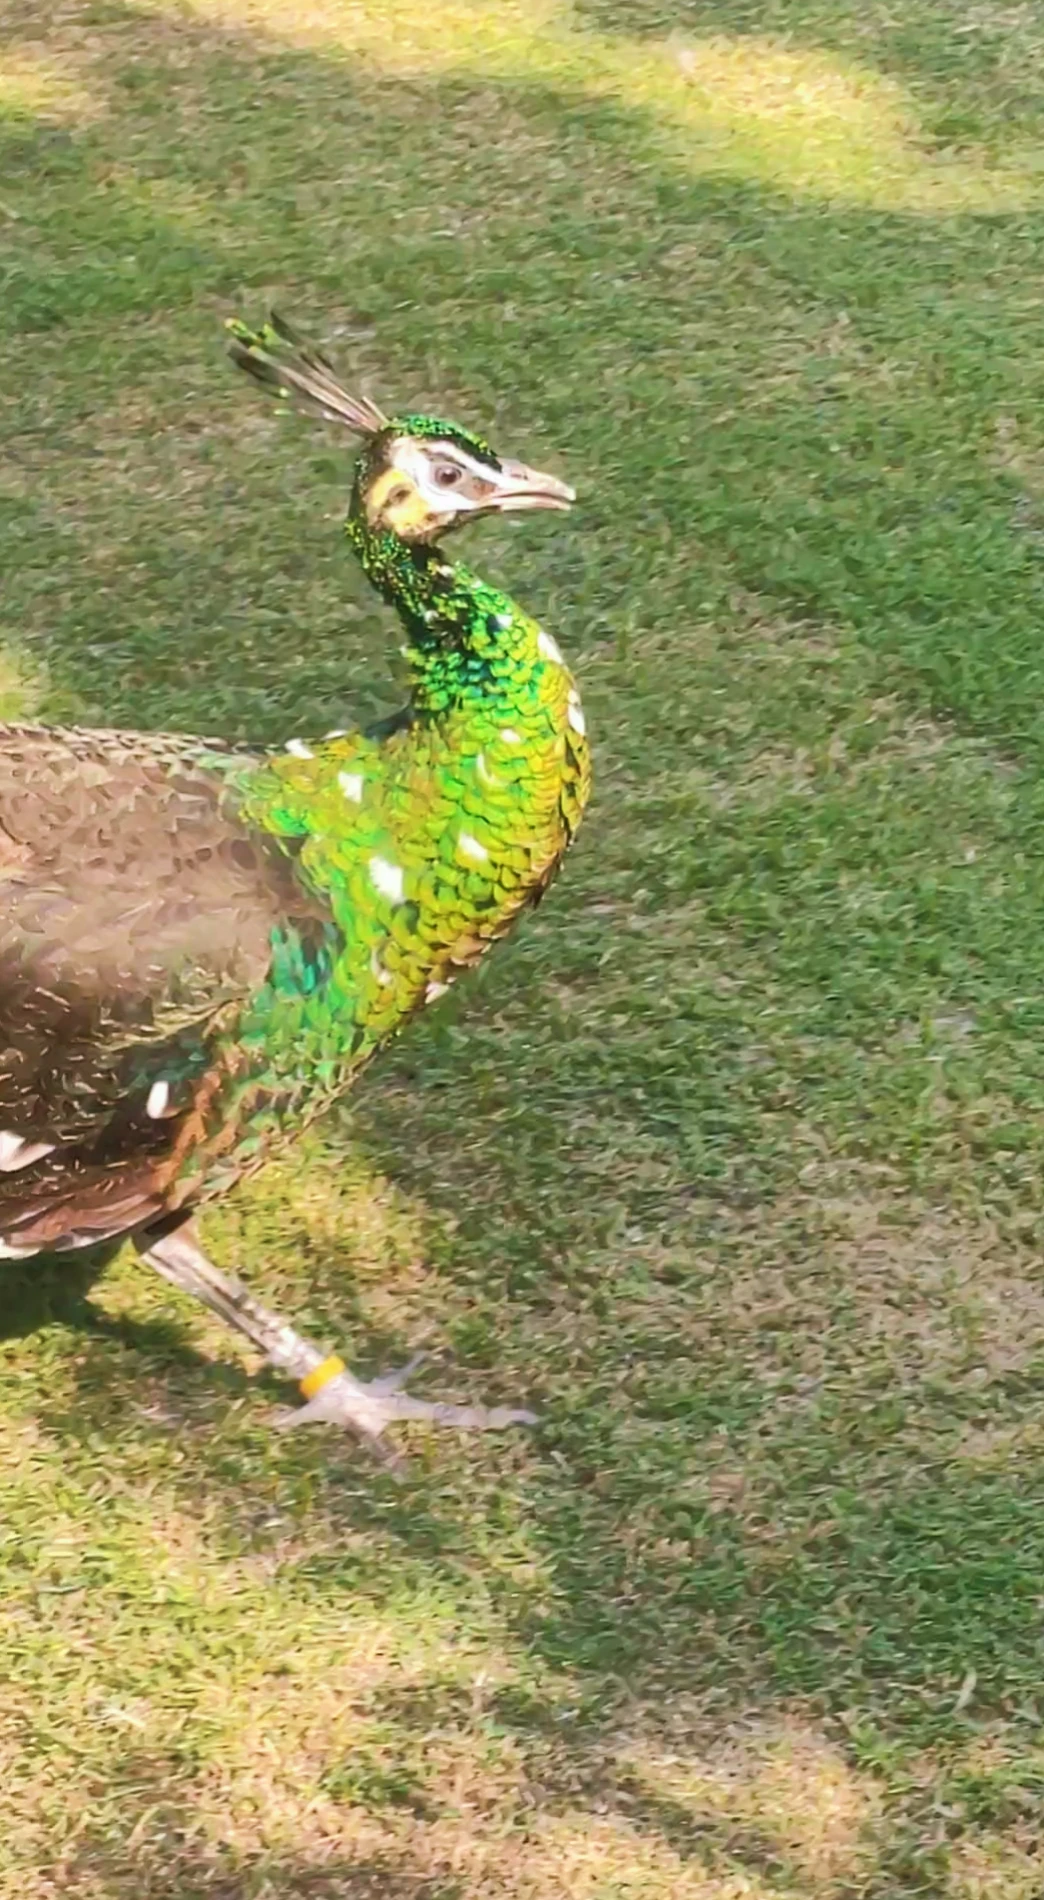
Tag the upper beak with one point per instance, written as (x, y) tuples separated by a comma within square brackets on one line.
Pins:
[(522, 487)]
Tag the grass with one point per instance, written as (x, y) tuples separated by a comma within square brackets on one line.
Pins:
[(732, 1160)]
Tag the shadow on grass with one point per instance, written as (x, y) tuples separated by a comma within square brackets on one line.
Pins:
[(50, 1289), (175, 1861)]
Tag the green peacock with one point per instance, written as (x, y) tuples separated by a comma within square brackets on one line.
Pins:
[(202, 944)]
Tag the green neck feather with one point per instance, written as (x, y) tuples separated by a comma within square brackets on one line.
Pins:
[(455, 622), (423, 845)]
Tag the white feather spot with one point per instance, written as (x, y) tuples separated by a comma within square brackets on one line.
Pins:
[(17, 1152), (351, 784), (8, 1252), (388, 879), (510, 736), (299, 750), (548, 647), (575, 715), (337, 732), (159, 1096), (434, 991), (487, 777), (471, 847), (383, 976)]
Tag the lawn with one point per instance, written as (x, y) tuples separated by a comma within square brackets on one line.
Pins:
[(731, 1161)]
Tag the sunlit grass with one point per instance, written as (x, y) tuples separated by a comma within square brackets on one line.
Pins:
[(36, 87), (750, 108)]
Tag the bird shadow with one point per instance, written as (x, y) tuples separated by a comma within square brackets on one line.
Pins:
[(52, 1289)]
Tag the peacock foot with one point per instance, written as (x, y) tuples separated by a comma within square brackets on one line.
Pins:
[(334, 1396)]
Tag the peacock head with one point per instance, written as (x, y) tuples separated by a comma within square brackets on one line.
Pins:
[(417, 476)]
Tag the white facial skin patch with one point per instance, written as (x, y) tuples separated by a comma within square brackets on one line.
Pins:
[(445, 476)]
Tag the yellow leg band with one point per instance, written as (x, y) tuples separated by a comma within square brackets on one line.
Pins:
[(314, 1381)]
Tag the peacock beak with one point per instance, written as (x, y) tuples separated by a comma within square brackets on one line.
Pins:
[(521, 487)]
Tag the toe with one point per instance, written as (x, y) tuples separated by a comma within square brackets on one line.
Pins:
[(394, 1380)]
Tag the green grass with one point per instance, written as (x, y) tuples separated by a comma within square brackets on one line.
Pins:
[(732, 1160)]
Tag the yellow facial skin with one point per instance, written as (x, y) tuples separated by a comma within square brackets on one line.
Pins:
[(394, 503)]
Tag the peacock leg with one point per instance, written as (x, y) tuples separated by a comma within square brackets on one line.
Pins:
[(333, 1395)]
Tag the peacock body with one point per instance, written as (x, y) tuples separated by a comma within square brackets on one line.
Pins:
[(202, 944)]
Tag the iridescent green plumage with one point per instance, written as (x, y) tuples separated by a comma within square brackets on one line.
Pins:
[(288, 912), (424, 842)]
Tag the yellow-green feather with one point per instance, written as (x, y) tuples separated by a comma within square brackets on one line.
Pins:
[(465, 807)]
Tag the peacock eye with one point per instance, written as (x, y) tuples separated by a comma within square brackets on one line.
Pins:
[(446, 475)]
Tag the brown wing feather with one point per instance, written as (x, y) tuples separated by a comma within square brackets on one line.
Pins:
[(135, 911)]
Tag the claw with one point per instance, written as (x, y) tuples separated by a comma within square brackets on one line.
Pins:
[(368, 1408), (394, 1380)]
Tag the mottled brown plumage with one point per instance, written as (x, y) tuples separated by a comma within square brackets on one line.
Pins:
[(134, 910)]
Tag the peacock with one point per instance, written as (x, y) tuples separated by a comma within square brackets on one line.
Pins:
[(203, 943)]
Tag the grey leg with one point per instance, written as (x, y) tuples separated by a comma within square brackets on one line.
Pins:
[(332, 1394)]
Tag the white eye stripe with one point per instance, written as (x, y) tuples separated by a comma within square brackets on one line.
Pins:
[(414, 458)]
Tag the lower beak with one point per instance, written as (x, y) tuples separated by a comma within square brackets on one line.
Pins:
[(522, 487)]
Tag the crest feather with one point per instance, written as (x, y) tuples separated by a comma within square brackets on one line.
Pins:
[(282, 360)]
